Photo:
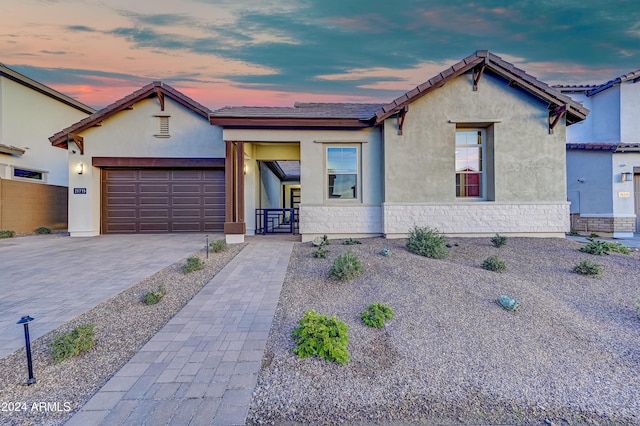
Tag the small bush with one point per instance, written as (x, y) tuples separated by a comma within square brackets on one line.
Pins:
[(351, 242), (604, 247), (43, 230), (153, 297), (427, 242), (499, 240), (574, 232), (638, 306), (375, 315), (587, 267), (320, 253), (71, 344), (346, 266), (326, 337), (385, 252), (495, 264), (594, 235), (7, 234), (218, 246), (194, 263)]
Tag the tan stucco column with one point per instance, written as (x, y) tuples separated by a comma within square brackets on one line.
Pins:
[(234, 225)]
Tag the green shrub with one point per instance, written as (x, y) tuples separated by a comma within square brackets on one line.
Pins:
[(218, 246), (587, 267), (495, 264), (574, 232), (427, 242), (320, 253), (375, 315), (499, 240), (71, 344), (326, 337), (346, 266), (194, 263), (604, 247), (351, 242), (43, 230), (594, 235), (153, 297), (7, 234), (638, 306)]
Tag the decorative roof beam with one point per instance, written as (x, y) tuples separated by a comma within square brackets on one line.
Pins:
[(477, 74), (160, 98), (401, 116), (555, 115), (79, 141)]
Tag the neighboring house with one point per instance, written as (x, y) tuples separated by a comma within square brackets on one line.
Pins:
[(603, 158), (477, 150), (148, 163), (33, 174)]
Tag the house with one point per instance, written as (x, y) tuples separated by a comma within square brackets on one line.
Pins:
[(603, 158), (477, 150), (148, 163), (33, 174)]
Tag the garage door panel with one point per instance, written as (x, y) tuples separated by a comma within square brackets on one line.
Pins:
[(163, 200)]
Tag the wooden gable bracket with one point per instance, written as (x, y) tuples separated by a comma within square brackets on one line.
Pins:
[(555, 115), (79, 141), (401, 116), (160, 98), (477, 74)]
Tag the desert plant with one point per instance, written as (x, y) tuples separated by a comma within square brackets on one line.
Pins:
[(71, 344), (320, 253), (194, 263), (218, 246), (153, 297), (7, 234), (43, 230), (385, 252), (351, 242), (604, 247), (427, 242), (594, 235), (320, 335), (587, 267), (376, 314), (346, 266), (638, 306), (574, 232), (499, 240), (495, 264)]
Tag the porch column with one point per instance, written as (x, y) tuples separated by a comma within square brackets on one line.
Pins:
[(234, 225)]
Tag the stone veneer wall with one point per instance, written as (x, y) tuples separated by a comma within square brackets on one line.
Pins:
[(602, 224), (482, 218), (339, 221)]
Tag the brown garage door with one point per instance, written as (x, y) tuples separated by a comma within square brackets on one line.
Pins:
[(162, 200)]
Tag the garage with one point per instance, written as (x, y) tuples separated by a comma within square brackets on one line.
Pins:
[(158, 200)]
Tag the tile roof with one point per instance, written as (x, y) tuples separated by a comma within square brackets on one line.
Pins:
[(575, 111), (45, 90), (590, 90), (604, 146), (150, 90), (302, 110)]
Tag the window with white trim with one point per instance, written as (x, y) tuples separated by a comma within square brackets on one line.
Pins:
[(342, 172), (470, 151)]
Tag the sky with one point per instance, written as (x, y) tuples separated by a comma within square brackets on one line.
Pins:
[(276, 53)]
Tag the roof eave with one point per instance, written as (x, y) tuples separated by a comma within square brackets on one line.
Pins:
[(287, 122)]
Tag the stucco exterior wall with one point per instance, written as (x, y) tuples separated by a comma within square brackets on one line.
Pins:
[(131, 133), (528, 161), (27, 119), (581, 132), (589, 182), (605, 115), (629, 112)]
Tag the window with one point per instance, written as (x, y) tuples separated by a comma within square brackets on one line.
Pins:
[(29, 174), (342, 171), (164, 126), (470, 163)]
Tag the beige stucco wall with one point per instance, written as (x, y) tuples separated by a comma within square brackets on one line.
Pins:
[(312, 145), (529, 163), (130, 133)]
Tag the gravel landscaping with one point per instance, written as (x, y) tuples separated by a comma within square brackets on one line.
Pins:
[(451, 354)]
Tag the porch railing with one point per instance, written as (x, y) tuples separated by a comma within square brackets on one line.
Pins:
[(276, 221)]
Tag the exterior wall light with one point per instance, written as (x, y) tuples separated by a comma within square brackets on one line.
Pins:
[(245, 168), (626, 176), (79, 168)]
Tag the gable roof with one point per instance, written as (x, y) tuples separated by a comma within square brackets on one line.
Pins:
[(592, 89), (157, 88), (482, 61), (45, 90), (300, 115)]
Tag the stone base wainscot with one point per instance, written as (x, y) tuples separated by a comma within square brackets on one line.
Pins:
[(340, 221), (619, 227)]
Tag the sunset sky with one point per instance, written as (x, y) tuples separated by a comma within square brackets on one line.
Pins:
[(260, 52)]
